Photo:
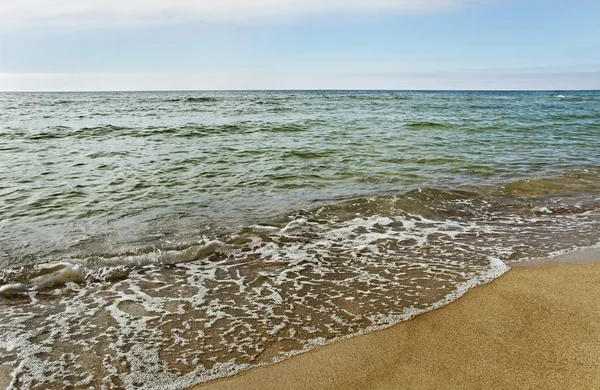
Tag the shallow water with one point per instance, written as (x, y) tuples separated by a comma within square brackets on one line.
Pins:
[(168, 238)]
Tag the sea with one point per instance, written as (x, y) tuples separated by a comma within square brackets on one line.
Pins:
[(163, 239)]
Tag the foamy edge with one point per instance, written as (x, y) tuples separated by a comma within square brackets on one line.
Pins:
[(497, 269)]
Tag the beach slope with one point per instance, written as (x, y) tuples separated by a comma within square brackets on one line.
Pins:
[(533, 328)]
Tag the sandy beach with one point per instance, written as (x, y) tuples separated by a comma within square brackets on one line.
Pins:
[(533, 328)]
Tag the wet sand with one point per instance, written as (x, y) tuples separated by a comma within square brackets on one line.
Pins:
[(533, 328)]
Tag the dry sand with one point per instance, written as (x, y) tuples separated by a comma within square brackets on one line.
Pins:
[(534, 328)]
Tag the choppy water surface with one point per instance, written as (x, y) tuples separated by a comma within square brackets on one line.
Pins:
[(164, 239)]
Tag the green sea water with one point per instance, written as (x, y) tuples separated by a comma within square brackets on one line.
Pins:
[(214, 231), (93, 164)]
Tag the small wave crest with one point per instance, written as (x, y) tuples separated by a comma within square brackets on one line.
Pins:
[(194, 99), (569, 183), (98, 267), (427, 125)]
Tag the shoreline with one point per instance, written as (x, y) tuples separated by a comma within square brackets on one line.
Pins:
[(537, 326)]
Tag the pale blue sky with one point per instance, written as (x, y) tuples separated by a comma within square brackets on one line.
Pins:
[(297, 44)]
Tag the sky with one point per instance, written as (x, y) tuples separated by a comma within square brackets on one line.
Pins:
[(71, 45)]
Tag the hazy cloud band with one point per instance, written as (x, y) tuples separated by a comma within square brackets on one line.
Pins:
[(501, 79), (140, 12)]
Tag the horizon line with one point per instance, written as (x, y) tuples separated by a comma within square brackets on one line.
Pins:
[(308, 90)]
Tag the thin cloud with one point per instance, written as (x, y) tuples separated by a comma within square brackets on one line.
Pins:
[(20, 13)]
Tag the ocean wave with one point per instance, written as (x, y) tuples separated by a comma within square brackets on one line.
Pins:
[(521, 202)]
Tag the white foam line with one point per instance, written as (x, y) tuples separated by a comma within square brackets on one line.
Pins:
[(497, 269)]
